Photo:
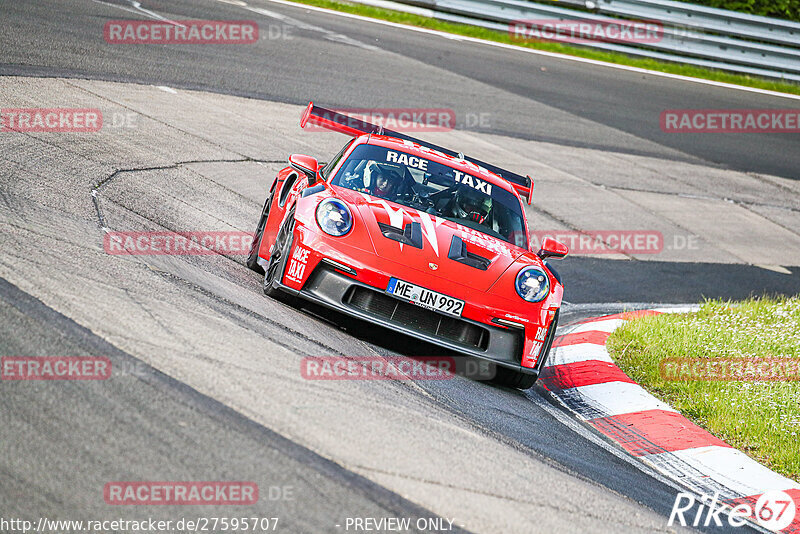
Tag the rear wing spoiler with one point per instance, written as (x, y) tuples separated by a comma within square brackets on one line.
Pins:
[(352, 126)]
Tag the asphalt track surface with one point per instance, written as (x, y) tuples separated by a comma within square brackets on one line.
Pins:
[(54, 459), (341, 62), (150, 420), (388, 67)]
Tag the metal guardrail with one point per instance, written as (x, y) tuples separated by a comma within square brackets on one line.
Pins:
[(731, 23), (697, 35)]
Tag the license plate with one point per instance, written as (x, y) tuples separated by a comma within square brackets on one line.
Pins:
[(425, 297)]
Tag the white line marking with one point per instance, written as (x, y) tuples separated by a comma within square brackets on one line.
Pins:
[(136, 7), (776, 268), (679, 309), (451, 36), (167, 89), (617, 398), (328, 34), (591, 435), (603, 325), (578, 353), (733, 469)]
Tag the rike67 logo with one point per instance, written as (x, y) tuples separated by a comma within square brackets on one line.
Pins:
[(774, 510)]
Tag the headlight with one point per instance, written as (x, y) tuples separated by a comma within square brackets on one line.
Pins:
[(334, 217), (532, 284)]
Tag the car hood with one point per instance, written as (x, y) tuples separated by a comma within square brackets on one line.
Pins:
[(436, 240)]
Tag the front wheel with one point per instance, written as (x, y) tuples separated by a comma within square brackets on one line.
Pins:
[(277, 258), (252, 258), (514, 379)]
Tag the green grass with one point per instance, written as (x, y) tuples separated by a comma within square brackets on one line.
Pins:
[(784, 9), (759, 418), (502, 37)]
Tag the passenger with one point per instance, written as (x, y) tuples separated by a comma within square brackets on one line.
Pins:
[(470, 205)]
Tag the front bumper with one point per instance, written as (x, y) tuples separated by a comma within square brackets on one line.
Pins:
[(502, 346)]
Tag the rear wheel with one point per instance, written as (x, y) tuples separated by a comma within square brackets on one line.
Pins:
[(252, 258), (515, 379), (280, 251)]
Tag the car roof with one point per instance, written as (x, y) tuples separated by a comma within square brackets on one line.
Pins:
[(419, 150)]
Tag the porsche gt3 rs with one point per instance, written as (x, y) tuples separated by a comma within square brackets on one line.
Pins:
[(416, 238)]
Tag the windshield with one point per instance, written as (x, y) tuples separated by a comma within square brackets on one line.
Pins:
[(434, 188)]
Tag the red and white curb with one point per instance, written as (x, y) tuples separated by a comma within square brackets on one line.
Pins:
[(582, 377)]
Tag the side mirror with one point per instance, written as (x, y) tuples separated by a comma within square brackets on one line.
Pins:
[(552, 249), (305, 164)]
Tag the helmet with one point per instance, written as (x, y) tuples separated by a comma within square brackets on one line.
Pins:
[(386, 181), (472, 204)]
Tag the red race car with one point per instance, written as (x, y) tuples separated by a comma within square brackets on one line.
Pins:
[(416, 238)]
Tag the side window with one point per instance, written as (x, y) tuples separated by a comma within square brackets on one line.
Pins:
[(287, 187), (332, 164)]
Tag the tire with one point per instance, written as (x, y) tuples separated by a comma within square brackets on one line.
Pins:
[(258, 235), (514, 379), (280, 251)]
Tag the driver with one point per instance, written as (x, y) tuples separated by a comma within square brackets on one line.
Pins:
[(470, 204), (384, 182)]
